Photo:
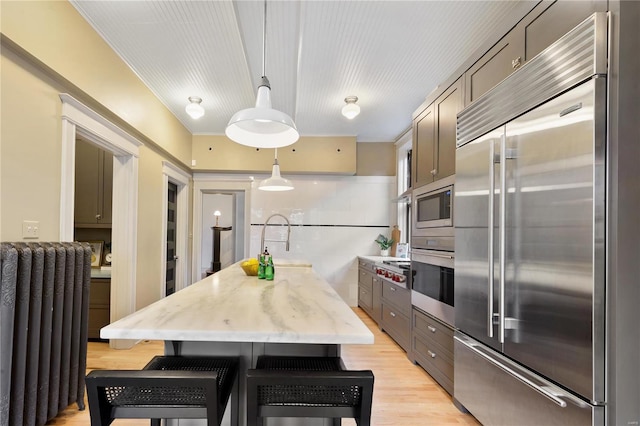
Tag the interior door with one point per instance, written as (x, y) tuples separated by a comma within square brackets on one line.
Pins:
[(172, 196), (550, 239), (476, 218)]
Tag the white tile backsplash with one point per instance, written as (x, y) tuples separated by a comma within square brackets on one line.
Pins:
[(344, 213)]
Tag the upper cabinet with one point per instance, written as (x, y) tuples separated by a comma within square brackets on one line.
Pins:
[(544, 25), (434, 137), (93, 185)]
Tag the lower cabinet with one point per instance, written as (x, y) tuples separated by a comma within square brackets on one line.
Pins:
[(396, 311), (99, 306), (386, 302), (432, 348)]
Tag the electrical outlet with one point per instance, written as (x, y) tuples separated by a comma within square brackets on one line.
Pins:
[(193, 163), (30, 229)]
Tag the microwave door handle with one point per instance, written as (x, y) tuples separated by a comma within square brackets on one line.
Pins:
[(503, 233), (492, 185)]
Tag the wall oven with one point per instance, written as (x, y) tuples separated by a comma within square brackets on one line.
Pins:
[(432, 283)]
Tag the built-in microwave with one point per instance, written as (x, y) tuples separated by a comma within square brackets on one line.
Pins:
[(432, 205)]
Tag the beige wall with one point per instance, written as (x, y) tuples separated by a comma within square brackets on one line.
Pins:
[(56, 35), (376, 159), (311, 154)]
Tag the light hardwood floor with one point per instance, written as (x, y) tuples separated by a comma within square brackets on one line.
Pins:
[(404, 394)]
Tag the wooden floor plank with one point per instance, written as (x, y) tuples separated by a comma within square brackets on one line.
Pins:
[(404, 394)]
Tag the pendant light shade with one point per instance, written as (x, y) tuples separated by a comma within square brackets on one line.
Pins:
[(262, 126), (276, 182)]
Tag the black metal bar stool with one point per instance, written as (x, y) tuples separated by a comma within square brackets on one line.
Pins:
[(168, 387), (308, 387)]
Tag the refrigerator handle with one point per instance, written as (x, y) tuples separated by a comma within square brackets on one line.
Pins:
[(492, 186), (540, 389), (502, 230)]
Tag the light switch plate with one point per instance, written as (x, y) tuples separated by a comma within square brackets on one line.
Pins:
[(30, 229)]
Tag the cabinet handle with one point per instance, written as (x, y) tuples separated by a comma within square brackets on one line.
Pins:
[(98, 216), (434, 172), (431, 329), (392, 314), (392, 288), (431, 354), (515, 63)]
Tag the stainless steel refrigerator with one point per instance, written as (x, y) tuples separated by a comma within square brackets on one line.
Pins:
[(530, 244)]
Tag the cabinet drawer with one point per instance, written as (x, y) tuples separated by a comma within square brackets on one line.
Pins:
[(100, 293), (365, 265), (434, 330), (436, 361), (365, 297), (365, 279), (396, 325), (398, 296)]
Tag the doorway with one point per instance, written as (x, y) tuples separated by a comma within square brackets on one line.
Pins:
[(80, 121), (172, 257)]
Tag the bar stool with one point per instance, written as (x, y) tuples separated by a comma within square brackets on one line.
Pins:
[(308, 387), (168, 387)]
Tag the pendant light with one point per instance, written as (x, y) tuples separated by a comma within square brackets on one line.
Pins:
[(276, 182), (262, 126)]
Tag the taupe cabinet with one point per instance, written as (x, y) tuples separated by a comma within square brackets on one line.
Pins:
[(434, 122), (545, 24), (432, 347), (387, 303), (99, 306), (434, 137), (93, 185)]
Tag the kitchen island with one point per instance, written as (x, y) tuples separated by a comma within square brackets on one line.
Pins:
[(229, 313)]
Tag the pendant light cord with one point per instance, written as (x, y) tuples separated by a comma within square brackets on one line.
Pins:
[(264, 41)]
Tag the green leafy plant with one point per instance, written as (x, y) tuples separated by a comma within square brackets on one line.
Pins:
[(384, 242)]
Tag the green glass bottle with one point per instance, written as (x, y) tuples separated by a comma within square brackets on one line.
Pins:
[(270, 270), (262, 264)]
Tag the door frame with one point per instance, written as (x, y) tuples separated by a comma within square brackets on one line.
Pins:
[(79, 119), (180, 178), (208, 183)]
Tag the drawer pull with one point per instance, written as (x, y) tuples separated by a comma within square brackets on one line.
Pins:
[(392, 288), (392, 314), (431, 354), (431, 328)]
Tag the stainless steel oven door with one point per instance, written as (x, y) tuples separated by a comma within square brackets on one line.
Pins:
[(432, 283)]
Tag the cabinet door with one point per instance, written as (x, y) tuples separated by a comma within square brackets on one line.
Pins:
[(447, 107), (424, 139), (86, 182), (495, 65), (106, 188), (549, 21), (377, 300)]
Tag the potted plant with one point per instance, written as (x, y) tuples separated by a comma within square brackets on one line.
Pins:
[(384, 243)]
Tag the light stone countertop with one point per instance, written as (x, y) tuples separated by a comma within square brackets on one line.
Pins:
[(228, 306), (382, 258)]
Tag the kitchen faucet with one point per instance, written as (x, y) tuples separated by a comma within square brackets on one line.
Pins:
[(264, 227)]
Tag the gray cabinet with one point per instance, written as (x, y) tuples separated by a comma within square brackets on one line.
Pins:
[(99, 306), (432, 347), (396, 312), (434, 137), (545, 24), (93, 185), (365, 287)]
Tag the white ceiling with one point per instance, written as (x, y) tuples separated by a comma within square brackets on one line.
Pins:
[(390, 54)]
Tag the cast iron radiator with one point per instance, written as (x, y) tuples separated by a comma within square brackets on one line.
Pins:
[(44, 305)]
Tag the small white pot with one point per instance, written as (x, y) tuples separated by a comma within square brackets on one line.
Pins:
[(384, 253)]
